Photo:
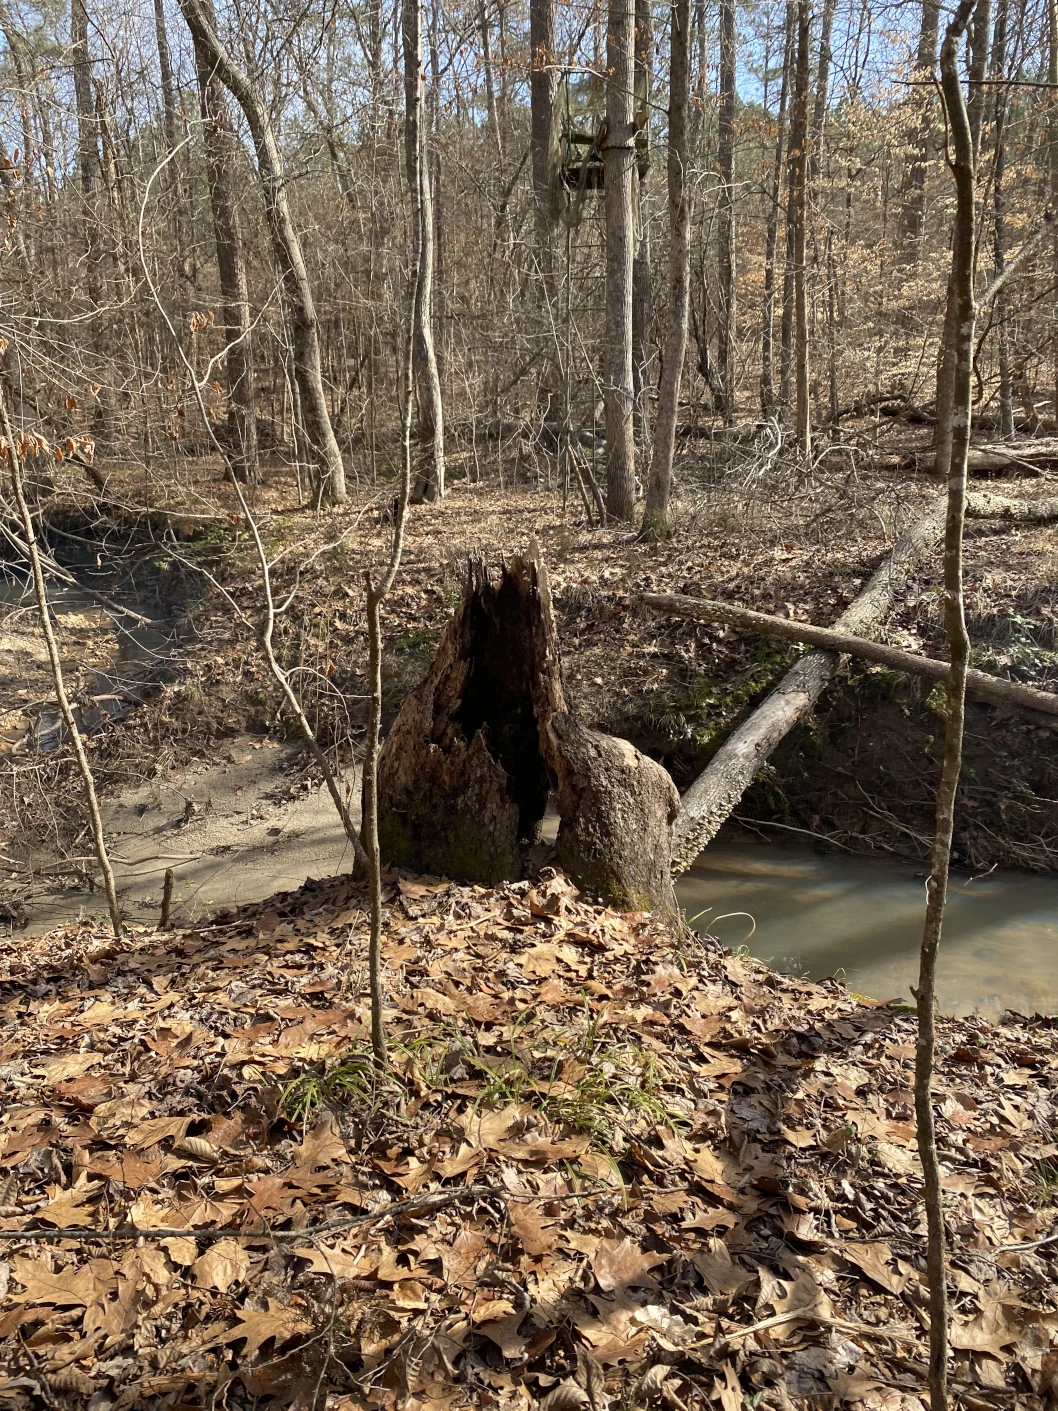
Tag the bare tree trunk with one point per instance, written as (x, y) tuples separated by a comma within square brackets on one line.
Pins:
[(327, 470), (30, 538), (376, 595), (725, 254), (91, 178), (430, 479), (642, 286), (961, 293), (659, 485), (819, 109), (999, 235), (619, 163), (1052, 159), (942, 438), (219, 139), (767, 375), (485, 28), (546, 190), (798, 213), (915, 202)]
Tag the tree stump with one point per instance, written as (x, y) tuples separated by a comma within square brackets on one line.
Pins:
[(465, 773)]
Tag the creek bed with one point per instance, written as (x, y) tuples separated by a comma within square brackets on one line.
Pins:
[(820, 914)]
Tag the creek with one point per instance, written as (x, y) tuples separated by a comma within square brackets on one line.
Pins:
[(116, 653), (798, 909), (860, 919)]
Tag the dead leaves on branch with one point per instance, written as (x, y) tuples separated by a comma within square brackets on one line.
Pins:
[(606, 1171)]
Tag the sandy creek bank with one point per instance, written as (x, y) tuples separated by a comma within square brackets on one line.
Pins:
[(204, 776)]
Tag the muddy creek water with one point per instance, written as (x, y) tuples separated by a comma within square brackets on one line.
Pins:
[(118, 649), (861, 920)]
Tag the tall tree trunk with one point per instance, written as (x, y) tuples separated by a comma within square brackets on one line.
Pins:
[(326, 470), (542, 84), (547, 195), (999, 208), (218, 141), (819, 109), (177, 195), (659, 485), (914, 213), (767, 355), (496, 131), (90, 172), (87, 147), (961, 296), (619, 165), (975, 107), (430, 477), (725, 254), (798, 167), (1052, 160), (642, 285)]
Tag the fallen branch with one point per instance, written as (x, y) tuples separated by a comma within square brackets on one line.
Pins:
[(982, 504), (715, 794), (979, 683)]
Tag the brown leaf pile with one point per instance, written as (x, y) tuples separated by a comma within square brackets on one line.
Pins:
[(611, 1168)]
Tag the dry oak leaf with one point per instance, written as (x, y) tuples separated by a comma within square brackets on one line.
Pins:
[(567, 1396), (532, 1234), (720, 1273), (257, 1327), (541, 1150), (797, 1297), (873, 1259), (223, 1264), (489, 1128), (338, 1263), (83, 1287), (182, 1250), (622, 1264), (69, 1207), (994, 1328), (504, 1333), (66, 1065), (729, 1392)]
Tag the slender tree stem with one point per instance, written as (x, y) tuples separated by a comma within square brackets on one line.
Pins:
[(41, 592), (961, 325)]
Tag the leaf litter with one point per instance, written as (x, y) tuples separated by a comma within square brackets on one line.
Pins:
[(612, 1167)]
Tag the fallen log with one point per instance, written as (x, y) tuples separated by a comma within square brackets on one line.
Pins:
[(1031, 456), (978, 683), (714, 795), (466, 770), (982, 504)]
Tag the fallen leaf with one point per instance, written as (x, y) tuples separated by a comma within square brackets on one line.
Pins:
[(222, 1265), (720, 1273), (622, 1264), (873, 1259), (257, 1328)]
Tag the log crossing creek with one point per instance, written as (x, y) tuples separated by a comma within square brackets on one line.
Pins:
[(242, 824), (860, 919)]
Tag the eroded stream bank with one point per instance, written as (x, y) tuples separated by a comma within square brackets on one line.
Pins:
[(203, 776)]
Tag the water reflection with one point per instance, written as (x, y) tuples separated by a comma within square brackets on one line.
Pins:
[(861, 918), (130, 645)]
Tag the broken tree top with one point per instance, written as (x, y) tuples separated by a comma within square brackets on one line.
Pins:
[(466, 770)]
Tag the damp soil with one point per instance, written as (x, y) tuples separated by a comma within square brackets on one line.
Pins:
[(857, 779)]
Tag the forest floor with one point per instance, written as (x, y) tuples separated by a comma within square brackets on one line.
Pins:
[(611, 1168), (859, 776)]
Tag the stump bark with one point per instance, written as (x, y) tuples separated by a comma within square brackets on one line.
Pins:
[(476, 749)]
